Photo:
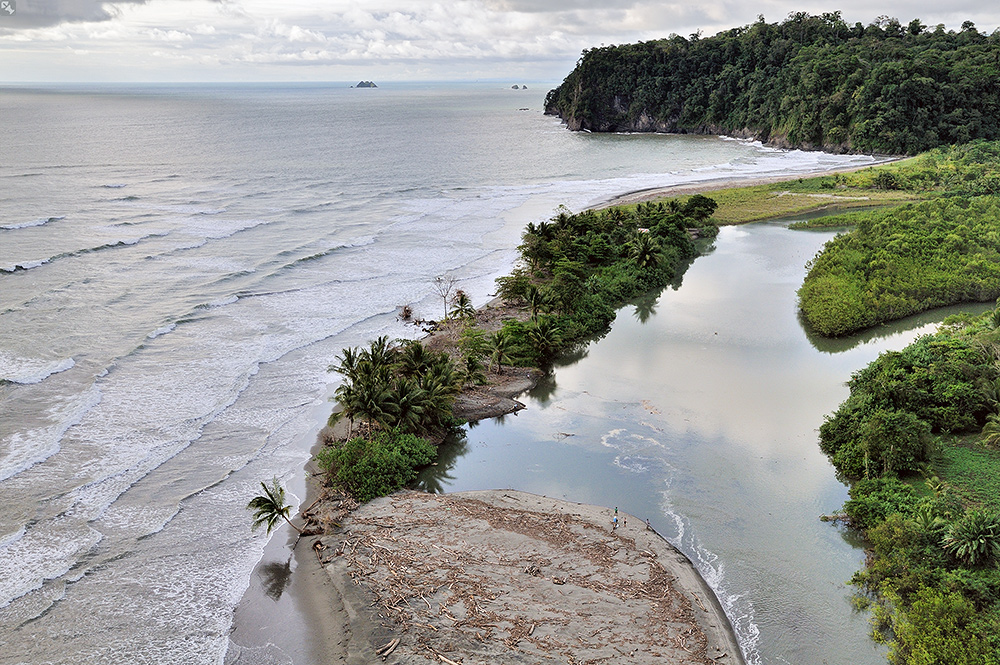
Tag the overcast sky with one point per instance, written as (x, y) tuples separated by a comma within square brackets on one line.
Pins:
[(382, 40)]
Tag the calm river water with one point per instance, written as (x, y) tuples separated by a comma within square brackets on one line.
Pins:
[(700, 410)]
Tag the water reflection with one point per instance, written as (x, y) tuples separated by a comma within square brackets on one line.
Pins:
[(645, 306), (546, 388), (436, 477), (922, 324), (274, 577)]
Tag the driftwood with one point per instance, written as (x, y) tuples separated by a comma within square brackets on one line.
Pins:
[(438, 590)]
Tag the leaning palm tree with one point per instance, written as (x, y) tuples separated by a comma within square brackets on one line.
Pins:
[(347, 363), (270, 506)]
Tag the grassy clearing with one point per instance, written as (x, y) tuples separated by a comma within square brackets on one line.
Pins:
[(972, 470), (782, 199), (841, 191)]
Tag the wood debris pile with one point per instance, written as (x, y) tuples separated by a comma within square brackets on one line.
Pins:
[(469, 582)]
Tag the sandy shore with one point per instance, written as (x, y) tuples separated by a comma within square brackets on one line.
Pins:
[(509, 577), (654, 193)]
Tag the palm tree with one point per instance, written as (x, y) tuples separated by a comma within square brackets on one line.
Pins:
[(545, 337), (500, 342), (414, 359), (462, 306), (347, 363), (535, 300), (380, 353), (645, 251), (409, 405), (270, 506)]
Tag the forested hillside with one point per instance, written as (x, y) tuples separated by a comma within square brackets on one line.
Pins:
[(813, 82)]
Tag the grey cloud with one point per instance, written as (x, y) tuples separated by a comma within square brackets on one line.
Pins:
[(40, 13), (548, 6)]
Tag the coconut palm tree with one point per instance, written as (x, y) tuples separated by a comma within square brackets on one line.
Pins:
[(645, 251), (381, 353), (414, 359), (462, 306), (347, 363), (270, 506), (535, 300), (545, 336), (409, 404)]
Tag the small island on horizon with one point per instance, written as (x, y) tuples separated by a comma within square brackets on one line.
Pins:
[(365, 84)]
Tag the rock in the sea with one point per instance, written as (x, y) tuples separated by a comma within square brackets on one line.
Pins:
[(366, 84)]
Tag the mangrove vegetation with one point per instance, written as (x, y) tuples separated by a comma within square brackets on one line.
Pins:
[(915, 257)]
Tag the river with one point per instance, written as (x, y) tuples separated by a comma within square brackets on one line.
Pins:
[(699, 411)]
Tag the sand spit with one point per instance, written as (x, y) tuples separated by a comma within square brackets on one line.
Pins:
[(509, 577)]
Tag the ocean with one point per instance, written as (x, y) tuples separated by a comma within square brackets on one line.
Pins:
[(180, 264)]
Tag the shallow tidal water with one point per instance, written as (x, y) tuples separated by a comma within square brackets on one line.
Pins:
[(699, 411)]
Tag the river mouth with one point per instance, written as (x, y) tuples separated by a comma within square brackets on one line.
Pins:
[(700, 410)]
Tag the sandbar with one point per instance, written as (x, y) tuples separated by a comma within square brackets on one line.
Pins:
[(503, 576)]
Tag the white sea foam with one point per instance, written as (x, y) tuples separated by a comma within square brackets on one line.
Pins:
[(26, 448), (30, 370), (162, 330), (738, 608), (45, 552), (23, 265)]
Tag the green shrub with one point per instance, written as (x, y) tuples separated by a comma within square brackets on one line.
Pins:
[(974, 538), (874, 499), (940, 628), (367, 469)]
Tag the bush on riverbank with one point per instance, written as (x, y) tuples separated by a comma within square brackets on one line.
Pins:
[(367, 468), (934, 547), (915, 257)]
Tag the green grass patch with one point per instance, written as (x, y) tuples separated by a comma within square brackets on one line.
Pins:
[(783, 199), (972, 470)]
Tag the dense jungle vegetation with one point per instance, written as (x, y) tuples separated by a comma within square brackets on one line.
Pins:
[(809, 81), (914, 257), (919, 436), (574, 273)]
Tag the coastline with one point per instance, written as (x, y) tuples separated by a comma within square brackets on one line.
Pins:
[(701, 187), (335, 607)]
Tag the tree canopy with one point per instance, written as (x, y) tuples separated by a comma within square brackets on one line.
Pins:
[(809, 81)]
